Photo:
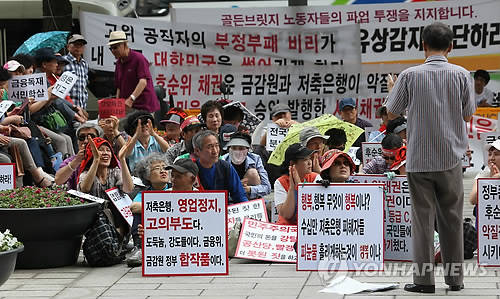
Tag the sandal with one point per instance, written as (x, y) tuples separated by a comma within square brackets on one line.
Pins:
[(39, 184)]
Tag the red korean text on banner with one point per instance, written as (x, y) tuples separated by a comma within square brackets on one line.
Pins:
[(111, 106)]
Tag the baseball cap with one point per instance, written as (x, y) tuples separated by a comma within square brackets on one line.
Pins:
[(174, 116), (184, 165), (77, 37), (239, 139), (278, 108), (117, 37), (330, 156), (44, 55), (345, 102), (495, 144), (297, 151), (13, 65), (309, 133), (191, 122)]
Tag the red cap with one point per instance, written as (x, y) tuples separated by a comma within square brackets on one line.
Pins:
[(189, 121)]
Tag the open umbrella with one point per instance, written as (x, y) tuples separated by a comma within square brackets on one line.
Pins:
[(323, 123), (51, 39)]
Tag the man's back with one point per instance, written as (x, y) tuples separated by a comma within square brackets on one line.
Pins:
[(438, 95)]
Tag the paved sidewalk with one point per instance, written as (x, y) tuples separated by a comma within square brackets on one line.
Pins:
[(247, 279)]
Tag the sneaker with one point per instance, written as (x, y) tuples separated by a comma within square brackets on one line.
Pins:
[(135, 258)]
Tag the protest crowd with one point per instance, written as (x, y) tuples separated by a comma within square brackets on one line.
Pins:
[(224, 146)]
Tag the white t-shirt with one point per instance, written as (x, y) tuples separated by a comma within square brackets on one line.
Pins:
[(485, 95), (280, 192)]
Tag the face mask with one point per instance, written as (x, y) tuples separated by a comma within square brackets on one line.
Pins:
[(238, 157)]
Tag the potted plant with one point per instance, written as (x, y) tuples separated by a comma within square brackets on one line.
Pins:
[(50, 223), (9, 248)]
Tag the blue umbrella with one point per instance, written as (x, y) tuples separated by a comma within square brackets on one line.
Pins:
[(52, 39)]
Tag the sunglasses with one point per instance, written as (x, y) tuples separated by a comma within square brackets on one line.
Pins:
[(83, 137), (345, 163), (114, 47), (392, 158)]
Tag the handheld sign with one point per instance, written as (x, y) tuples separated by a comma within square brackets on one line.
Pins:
[(370, 151), (28, 86), (340, 227), (267, 241), (185, 233), (64, 84), (111, 106), (397, 216), (488, 213), (122, 203), (352, 153), (275, 135), (85, 196), (4, 106), (7, 176), (254, 209)]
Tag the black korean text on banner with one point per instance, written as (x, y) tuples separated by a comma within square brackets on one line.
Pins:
[(28, 86), (275, 135), (488, 213), (370, 151), (64, 84), (340, 227), (397, 215), (389, 31), (185, 233), (122, 203), (267, 241), (7, 176), (253, 209)]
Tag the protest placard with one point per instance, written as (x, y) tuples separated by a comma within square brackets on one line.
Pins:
[(64, 84), (267, 241), (275, 134), (397, 216), (7, 176), (341, 227), (253, 209), (185, 233), (86, 196), (28, 86), (488, 216), (122, 203), (4, 106), (390, 32), (352, 153), (370, 151), (111, 106)]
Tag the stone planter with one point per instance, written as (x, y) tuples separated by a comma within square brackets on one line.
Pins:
[(51, 237), (8, 263)]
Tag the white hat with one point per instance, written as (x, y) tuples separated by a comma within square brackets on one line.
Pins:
[(13, 65), (495, 144), (117, 37)]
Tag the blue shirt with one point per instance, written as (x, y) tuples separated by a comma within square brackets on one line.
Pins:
[(140, 152), (222, 176), (255, 161), (138, 197)]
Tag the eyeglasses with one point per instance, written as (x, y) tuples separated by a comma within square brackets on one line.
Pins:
[(392, 158), (114, 47), (345, 163), (83, 137), (159, 168)]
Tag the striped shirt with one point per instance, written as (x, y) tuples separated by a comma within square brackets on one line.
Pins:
[(81, 69), (438, 96)]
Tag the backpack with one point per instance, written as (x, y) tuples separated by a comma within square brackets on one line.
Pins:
[(470, 239), (103, 245)]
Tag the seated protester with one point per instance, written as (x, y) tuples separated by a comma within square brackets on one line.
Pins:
[(392, 145), (70, 168), (296, 168), (377, 136), (337, 167), (280, 115), (233, 115), (27, 61), (153, 172), (111, 133), (225, 132), (172, 122), (100, 171), (249, 166), (215, 174), (144, 140), (311, 138), (349, 113), (397, 126), (336, 139), (189, 127), (212, 114), (483, 96), (184, 172)]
